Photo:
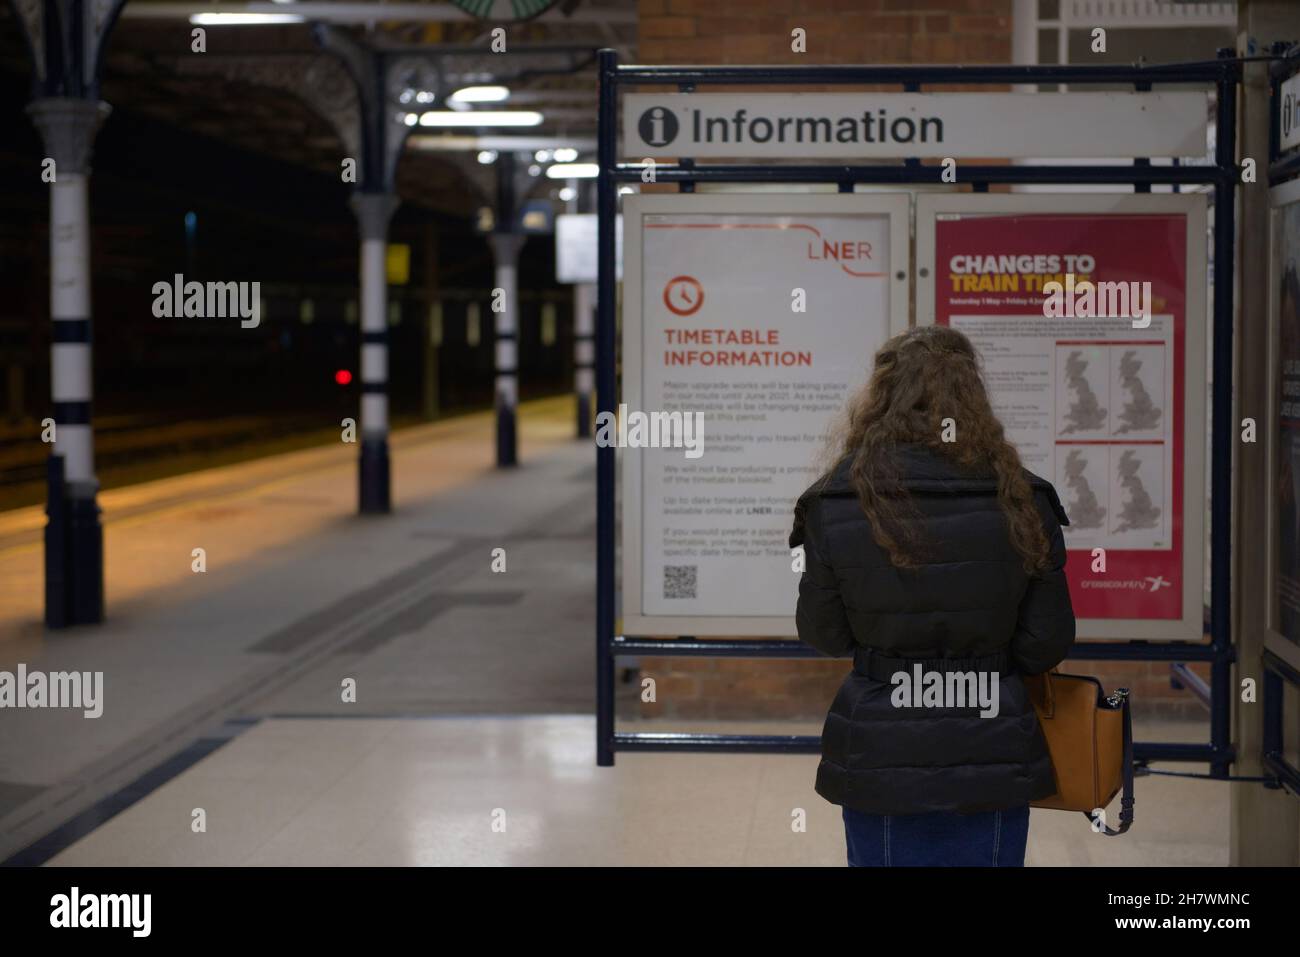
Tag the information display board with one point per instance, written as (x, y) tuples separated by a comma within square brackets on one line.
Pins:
[(880, 125), (575, 248), (761, 312), (1283, 440), (1099, 380), (1288, 131)]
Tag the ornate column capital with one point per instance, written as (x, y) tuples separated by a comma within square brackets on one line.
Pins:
[(68, 126), (373, 211), (506, 246)]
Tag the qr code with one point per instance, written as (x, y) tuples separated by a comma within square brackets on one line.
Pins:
[(679, 581)]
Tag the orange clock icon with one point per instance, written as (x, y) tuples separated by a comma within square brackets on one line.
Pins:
[(683, 295)]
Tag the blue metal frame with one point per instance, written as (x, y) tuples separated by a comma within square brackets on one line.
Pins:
[(1276, 671), (1274, 758), (1223, 74)]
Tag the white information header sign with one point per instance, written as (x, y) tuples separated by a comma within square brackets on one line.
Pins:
[(891, 125), (761, 313), (575, 247)]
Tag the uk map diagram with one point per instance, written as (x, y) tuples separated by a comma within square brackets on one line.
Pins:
[(1111, 432)]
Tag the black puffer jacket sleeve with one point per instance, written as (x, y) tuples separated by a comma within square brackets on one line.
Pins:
[(820, 616), (1045, 628)]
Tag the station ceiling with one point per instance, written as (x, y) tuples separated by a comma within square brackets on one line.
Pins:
[(234, 92)]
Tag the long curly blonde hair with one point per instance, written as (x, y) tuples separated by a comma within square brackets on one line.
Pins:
[(921, 378)]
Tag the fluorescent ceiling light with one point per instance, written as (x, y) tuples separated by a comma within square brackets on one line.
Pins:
[(242, 19), (516, 143), (482, 118), (573, 171), (565, 154), (481, 94)]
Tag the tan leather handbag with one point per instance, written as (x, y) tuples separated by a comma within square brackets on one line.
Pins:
[(1090, 740)]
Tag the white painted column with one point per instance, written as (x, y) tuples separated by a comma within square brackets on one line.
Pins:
[(374, 335), (584, 352), (70, 350), (505, 250), (74, 548), (374, 210)]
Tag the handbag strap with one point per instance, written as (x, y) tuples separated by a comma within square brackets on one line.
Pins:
[(1126, 801)]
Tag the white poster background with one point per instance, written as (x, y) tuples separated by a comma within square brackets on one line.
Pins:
[(705, 540)]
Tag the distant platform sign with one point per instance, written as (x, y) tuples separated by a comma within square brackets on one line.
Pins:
[(575, 247), (1288, 107)]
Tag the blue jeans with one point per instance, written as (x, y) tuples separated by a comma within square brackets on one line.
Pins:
[(940, 839)]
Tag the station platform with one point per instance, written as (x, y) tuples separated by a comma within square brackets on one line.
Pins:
[(471, 739)]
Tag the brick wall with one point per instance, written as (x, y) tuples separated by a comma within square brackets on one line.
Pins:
[(838, 31), (712, 688)]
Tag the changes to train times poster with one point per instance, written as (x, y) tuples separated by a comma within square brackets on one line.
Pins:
[(1083, 322), (760, 313)]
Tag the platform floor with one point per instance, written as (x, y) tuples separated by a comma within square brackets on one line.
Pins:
[(474, 689), (526, 791)]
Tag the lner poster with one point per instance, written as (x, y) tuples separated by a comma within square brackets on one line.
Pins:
[(763, 321)]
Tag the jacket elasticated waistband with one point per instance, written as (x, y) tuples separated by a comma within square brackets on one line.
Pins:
[(879, 667)]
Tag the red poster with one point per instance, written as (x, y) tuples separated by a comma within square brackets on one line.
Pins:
[(1088, 379)]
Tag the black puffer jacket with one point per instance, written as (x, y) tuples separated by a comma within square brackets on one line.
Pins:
[(968, 606)]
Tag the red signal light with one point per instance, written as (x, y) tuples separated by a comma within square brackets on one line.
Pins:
[(343, 377)]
